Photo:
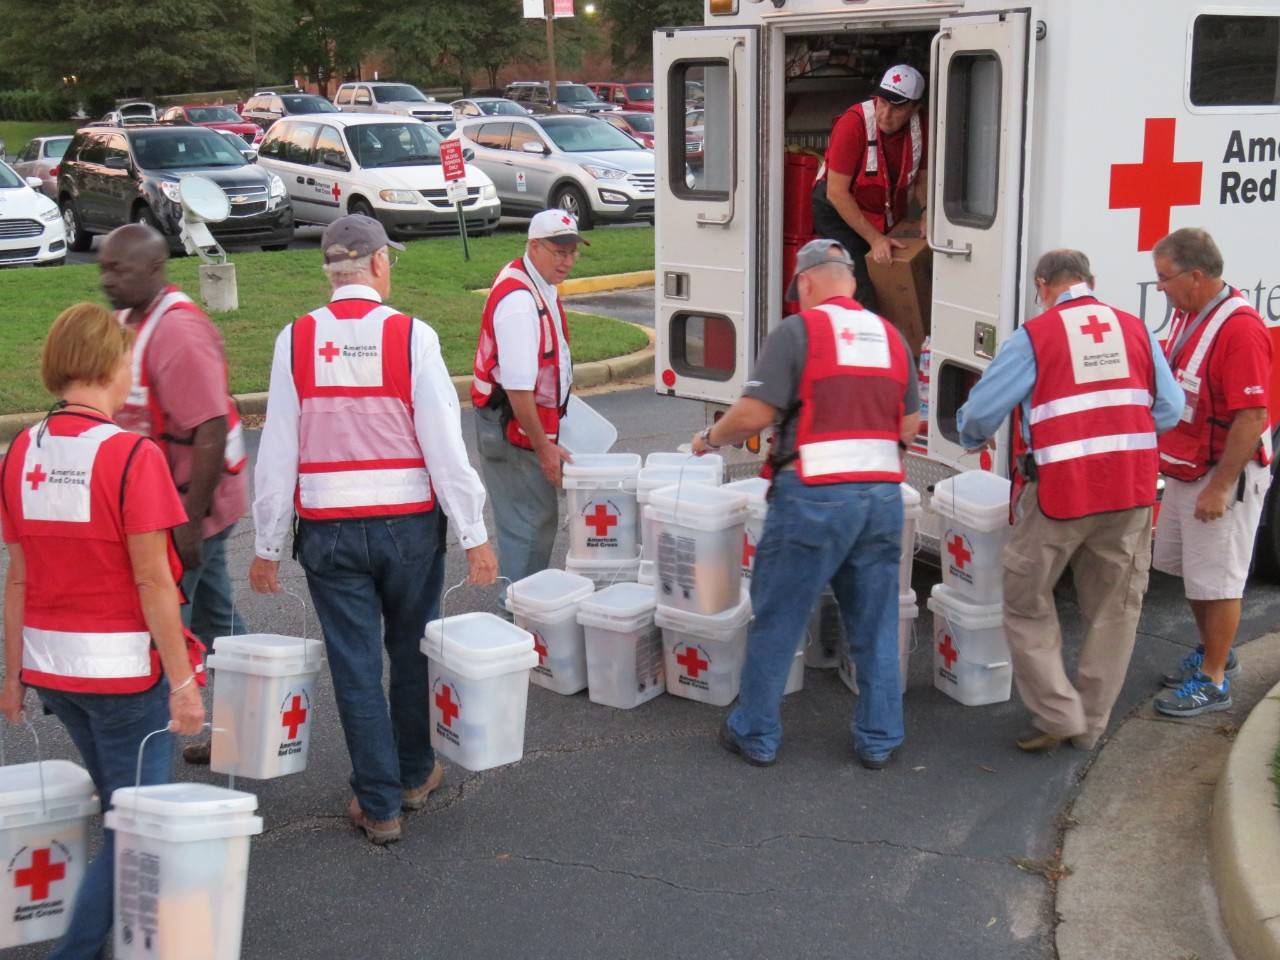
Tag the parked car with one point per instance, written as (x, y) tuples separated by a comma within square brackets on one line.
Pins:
[(116, 175), (402, 98), (487, 107), (443, 128), (570, 98), (694, 136), (382, 166), (266, 108), (114, 118), (215, 117), (580, 164), (137, 111), (634, 123), (627, 96), (39, 158), (30, 226), (247, 150)]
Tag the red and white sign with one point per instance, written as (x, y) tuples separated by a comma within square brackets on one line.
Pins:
[(455, 170)]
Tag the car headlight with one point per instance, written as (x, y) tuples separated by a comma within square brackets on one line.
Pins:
[(170, 189), (488, 192), (604, 173), (277, 187), (397, 196), (51, 215)]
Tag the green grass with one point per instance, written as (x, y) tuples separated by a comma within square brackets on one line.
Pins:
[(431, 281), (16, 133)]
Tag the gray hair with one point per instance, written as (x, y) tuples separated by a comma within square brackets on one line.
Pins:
[(349, 271), (1061, 266), (1191, 249)]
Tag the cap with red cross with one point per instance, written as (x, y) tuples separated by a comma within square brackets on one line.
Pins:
[(901, 84), (555, 225)]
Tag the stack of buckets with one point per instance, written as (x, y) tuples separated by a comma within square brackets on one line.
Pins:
[(603, 517), (970, 653), (663, 469), (623, 646)]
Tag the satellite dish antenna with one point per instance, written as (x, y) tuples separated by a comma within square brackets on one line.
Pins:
[(203, 203)]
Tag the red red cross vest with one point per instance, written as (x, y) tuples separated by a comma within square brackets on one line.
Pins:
[(143, 412), (358, 452), (875, 196), (82, 631), (851, 397), (486, 390), (1195, 443), (1093, 438)]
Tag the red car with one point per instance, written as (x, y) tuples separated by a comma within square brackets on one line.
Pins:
[(215, 117), (637, 123), (628, 96)]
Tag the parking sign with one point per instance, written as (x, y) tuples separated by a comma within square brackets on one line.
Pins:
[(455, 170)]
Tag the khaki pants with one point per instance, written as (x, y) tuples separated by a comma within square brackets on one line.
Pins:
[(1110, 559)]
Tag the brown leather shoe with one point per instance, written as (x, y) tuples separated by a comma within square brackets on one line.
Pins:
[(197, 754), (1083, 741), (1039, 742), (376, 831), (416, 798)]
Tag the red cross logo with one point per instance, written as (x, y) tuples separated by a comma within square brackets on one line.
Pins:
[(602, 520), (566, 220), (692, 663), (37, 477), (1095, 328), (1157, 184), (329, 351), (897, 78), (948, 650), (848, 336), (294, 717), (748, 551), (336, 191), (541, 649), (959, 552), (40, 875), (448, 709)]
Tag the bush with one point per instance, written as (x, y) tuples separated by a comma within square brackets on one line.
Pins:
[(34, 105)]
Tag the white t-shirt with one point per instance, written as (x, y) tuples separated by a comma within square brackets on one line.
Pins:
[(516, 327)]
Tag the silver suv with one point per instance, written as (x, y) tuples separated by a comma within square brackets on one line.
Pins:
[(400, 98), (581, 164)]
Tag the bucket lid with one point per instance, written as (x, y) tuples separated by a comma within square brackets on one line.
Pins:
[(698, 502), (476, 639), (602, 466), (674, 458), (907, 609), (704, 625), (184, 800), (950, 603), (977, 498), (267, 646), (589, 567), (548, 591), (665, 469), (63, 780), (910, 496), (757, 492), (622, 601)]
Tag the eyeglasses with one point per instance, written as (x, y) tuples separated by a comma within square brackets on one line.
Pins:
[(1165, 281), (392, 257), (560, 252)]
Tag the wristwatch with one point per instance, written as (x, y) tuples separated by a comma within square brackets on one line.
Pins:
[(706, 437)]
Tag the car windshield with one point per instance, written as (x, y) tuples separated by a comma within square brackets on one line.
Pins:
[(212, 115), (394, 144), (640, 91), (501, 108), (8, 179), (308, 104), (393, 92), (641, 121), (178, 149), (56, 149), (586, 135), (575, 93)]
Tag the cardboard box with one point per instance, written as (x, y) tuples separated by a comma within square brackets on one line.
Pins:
[(904, 287)]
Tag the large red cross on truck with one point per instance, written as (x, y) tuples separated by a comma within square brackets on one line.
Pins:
[(1157, 184)]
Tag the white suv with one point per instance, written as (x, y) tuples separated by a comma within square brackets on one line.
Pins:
[(380, 97)]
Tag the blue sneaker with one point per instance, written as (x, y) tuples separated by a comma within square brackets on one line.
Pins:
[(1198, 695), (1191, 665)]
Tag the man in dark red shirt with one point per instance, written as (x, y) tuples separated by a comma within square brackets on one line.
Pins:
[(876, 160)]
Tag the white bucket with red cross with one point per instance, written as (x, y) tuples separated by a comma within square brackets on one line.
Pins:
[(624, 647), (703, 654), (604, 521), (479, 688), (974, 507), (43, 847), (756, 490), (546, 604), (264, 690), (663, 469), (970, 654), (907, 613)]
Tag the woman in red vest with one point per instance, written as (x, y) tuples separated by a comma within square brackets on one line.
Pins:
[(91, 604)]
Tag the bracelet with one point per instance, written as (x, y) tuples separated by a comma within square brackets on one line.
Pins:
[(706, 437), (183, 685)]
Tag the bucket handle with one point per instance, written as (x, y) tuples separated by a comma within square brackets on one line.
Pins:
[(302, 602), (462, 583), (137, 773), (26, 722)]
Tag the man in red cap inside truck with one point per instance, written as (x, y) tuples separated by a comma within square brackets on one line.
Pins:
[(876, 160)]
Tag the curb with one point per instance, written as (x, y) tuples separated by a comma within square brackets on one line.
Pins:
[(1245, 837)]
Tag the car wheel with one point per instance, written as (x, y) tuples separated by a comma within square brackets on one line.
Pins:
[(77, 238), (361, 207), (144, 215), (571, 200), (275, 247)]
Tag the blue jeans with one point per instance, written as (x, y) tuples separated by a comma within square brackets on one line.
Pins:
[(376, 582), (848, 535), (107, 729), (210, 611)]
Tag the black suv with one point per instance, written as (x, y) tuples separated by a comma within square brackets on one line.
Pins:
[(116, 175), (264, 109)]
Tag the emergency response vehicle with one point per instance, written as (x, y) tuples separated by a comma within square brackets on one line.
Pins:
[(1053, 123)]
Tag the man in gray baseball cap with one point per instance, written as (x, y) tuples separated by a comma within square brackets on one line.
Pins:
[(354, 236)]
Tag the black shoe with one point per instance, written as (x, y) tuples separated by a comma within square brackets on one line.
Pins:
[(1191, 665), (874, 763), (730, 743)]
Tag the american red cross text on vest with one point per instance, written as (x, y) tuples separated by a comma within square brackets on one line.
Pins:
[(37, 477), (1095, 328), (294, 717), (602, 520), (748, 551), (329, 351), (1157, 184), (444, 702), (959, 552), (540, 648), (692, 663), (40, 875), (948, 650)]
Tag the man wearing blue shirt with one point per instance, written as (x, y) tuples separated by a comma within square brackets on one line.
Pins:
[(1094, 390)]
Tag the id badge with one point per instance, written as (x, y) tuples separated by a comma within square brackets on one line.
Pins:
[(1191, 388)]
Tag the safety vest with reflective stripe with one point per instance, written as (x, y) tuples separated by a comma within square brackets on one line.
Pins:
[(1093, 437), (93, 639), (1196, 441), (875, 196), (358, 452), (851, 397), (142, 411), (485, 388)]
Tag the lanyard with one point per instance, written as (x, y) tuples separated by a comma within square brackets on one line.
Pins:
[(1189, 327)]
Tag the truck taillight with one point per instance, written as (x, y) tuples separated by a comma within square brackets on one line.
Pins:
[(668, 378), (723, 8)]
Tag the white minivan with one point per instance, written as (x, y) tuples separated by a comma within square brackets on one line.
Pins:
[(383, 166)]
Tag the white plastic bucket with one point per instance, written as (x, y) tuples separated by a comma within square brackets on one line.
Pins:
[(43, 847), (181, 864), (795, 676), (624, 647), (583, 430), (604, 573), (479, 689), (664, 469), (703, 654), (974, 507), (603, 516), (546, 604), (756, 490), (970, 654), (699, 559), (912, 511), (907, 613), (263, 698), (824, 633)]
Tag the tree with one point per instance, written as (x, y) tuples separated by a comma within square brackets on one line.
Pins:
[(324, 40), (632, 22)]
